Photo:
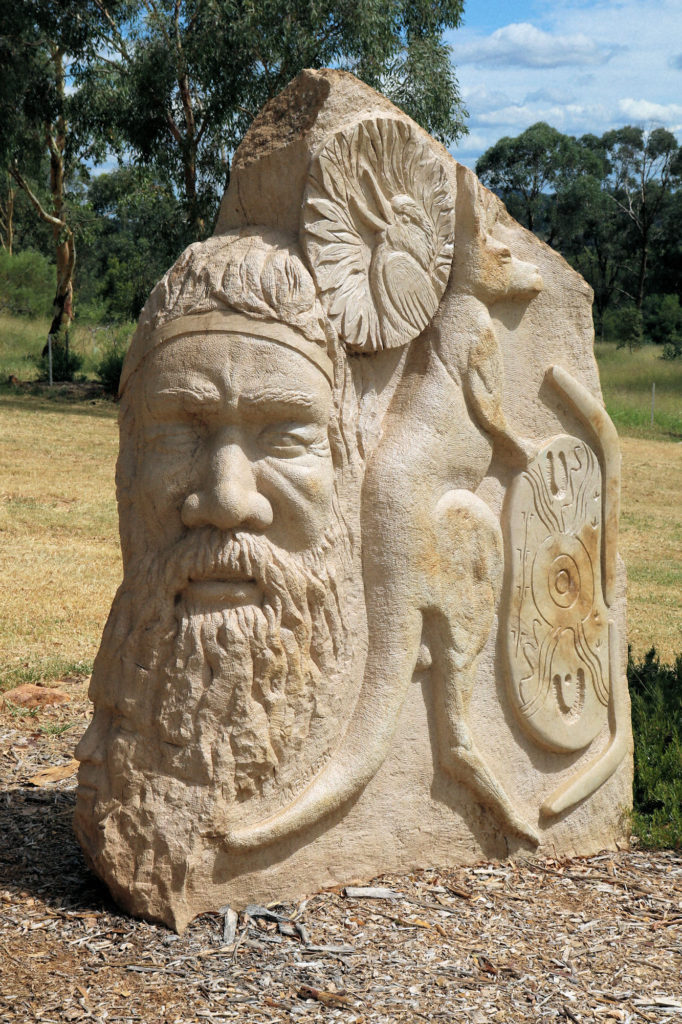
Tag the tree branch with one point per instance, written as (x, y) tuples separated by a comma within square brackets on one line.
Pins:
[(117, 40), (154, 12), (174, 130), (55, 222)]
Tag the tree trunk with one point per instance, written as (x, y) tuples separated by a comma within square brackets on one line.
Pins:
[(641, 276), (7, 219), (190, 174), (62, 306)]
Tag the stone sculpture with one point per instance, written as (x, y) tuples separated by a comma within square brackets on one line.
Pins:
[(372, 614)]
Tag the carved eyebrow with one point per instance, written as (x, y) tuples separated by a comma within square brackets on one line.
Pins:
[(277, 396), (193, 392)]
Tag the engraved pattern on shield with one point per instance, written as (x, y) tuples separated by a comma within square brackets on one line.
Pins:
[(556, 629), (377, 226)]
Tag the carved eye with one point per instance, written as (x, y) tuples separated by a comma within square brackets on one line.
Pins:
[(175, 437), (285, 441)]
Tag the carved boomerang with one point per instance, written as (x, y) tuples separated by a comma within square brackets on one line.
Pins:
[(594, 774)]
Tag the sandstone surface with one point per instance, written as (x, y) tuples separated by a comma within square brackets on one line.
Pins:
[(373, 614)]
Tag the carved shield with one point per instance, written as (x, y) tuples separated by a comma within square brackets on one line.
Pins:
[(557, 628)]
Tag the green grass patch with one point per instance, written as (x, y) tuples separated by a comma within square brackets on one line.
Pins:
[(44, 670), (55, 729), (656, 694), (627, 379), (22, 340)]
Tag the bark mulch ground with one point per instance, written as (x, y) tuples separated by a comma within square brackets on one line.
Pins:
[(596, 939)]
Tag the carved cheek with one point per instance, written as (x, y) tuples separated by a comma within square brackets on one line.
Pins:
[(167, 468), (300, 491)]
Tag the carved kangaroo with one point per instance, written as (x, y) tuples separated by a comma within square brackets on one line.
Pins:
[(432, 550)]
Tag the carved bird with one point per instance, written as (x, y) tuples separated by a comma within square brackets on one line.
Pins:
[(402, 251)]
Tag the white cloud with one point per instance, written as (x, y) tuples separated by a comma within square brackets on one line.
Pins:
[(644, 110), (522, 115), (555, 96), (524, 45), (482, 99), (626, 58)]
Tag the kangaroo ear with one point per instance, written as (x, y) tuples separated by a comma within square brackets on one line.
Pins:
[(380, 266), (471, 213)]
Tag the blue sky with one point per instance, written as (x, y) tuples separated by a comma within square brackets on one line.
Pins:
[(581, 65)]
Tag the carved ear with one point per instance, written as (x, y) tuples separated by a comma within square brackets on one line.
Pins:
[(377, 226), (470, 216)]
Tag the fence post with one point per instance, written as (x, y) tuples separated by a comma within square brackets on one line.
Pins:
[(653, 401)]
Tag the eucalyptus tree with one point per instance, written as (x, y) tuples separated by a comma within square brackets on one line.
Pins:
[(643, 168), (180, 81), (41, 150), (525, 169)]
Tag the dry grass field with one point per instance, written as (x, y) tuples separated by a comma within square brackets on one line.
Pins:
[(61, 563), (60, 556), (651, 544)]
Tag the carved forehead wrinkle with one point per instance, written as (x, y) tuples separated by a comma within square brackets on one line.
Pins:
[(246, 370)]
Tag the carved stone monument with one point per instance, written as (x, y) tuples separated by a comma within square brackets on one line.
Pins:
[(372, 615)]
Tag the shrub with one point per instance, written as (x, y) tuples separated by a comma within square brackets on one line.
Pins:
[(27, 283), (656, 693), (113, 353), (662, 316), (625, 326), (673, 349), (65, 362)]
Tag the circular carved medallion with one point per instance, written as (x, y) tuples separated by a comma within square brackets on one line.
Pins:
[(378, 229)]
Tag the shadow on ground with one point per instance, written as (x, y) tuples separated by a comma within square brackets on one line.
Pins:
[(39, 854)]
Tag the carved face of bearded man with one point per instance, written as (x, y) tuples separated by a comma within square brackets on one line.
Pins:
[(227, 651)]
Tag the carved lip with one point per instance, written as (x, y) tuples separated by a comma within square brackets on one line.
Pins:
[(215, 592), (88, 776)]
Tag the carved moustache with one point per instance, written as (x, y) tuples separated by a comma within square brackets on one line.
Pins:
[(209, 570)]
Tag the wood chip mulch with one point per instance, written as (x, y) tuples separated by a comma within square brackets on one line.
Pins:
[(596, 939)]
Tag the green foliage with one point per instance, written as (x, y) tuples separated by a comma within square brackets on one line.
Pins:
[(625, 326), (656, 694), (110, 365), (673, 349), (663, 323), (26, 284), (65, 362), (611, 205), (662, 318), (178, 84), (524, 169), (139, 230)]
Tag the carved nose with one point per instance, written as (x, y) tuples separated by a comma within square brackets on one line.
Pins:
[(91, 748), (228, 496)]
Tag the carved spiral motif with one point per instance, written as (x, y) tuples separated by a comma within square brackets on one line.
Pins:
[(377, 227), (563, 580)]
